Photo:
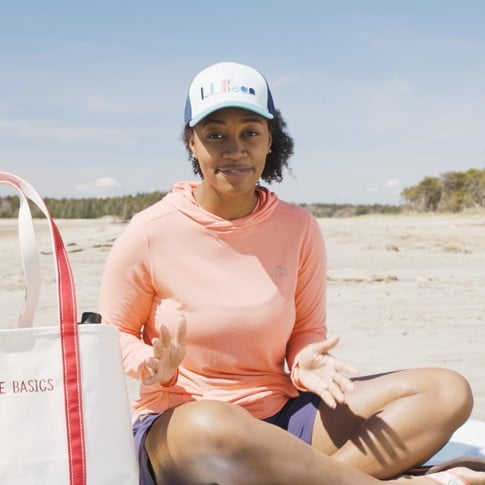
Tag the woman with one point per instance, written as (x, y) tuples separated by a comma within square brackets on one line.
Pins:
[(247, 392)]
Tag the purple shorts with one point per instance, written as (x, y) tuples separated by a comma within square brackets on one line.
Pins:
[(297, 417)]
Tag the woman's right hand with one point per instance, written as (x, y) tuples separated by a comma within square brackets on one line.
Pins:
[(168, 354)]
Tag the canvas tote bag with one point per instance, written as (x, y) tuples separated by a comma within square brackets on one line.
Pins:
[(63, 400)]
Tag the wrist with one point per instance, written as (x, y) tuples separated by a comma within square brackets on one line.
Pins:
[(295, 378), (172, 381)]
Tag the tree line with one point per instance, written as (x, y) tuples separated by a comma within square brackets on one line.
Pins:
[(123, 207), (450, 192)]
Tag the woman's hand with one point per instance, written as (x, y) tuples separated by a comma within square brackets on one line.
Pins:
[(323, 374), (168, 354)]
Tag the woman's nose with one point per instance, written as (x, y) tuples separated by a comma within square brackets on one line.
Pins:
[(234, 147)]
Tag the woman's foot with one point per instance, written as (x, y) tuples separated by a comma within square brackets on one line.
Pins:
[(466, 475), (452, 476), (455, 476)]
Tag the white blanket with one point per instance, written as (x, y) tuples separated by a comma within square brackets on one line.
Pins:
[(468, 440)]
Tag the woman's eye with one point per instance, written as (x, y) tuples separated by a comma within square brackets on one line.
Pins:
[(214, 136), (250, 133)]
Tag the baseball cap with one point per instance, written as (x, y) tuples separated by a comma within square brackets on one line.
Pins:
[(228, 85)]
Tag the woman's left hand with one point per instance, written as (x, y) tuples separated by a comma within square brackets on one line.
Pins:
[(168, 354), (323, 374)]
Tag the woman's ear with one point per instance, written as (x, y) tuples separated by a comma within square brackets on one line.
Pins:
[(192, 146)]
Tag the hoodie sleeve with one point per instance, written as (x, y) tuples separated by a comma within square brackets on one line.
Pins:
[(310, 297), (126, 295)]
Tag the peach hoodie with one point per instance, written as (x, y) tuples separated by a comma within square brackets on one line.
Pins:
[(252, 291)]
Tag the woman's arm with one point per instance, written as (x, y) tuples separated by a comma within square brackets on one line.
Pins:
[(126, 296), (310, 294)]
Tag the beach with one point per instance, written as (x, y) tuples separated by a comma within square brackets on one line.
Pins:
[(403, 290)]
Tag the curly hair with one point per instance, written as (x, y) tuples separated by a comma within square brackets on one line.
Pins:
[(281, 150)]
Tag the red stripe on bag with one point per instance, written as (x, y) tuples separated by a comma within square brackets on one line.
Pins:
[(70, 361)]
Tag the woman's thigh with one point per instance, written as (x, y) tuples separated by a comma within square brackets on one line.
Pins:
[(436, 388)]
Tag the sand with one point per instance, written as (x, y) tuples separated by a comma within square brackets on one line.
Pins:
[(404, 291)]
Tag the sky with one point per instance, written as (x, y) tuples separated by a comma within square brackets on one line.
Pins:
[(377, 94)]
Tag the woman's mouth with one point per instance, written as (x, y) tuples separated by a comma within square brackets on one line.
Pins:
[(234, 170)]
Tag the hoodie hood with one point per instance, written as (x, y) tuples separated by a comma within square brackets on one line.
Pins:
[(182, 199)]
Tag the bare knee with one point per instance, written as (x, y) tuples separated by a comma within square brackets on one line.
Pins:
[(221, 444), (452, 393), (202, 438), (214, 427)]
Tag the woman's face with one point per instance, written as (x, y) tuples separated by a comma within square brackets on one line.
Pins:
[(231, 146)]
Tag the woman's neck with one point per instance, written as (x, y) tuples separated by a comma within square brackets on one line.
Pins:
[(226, 207)]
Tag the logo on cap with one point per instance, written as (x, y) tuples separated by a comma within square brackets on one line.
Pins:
[(225, 86)]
